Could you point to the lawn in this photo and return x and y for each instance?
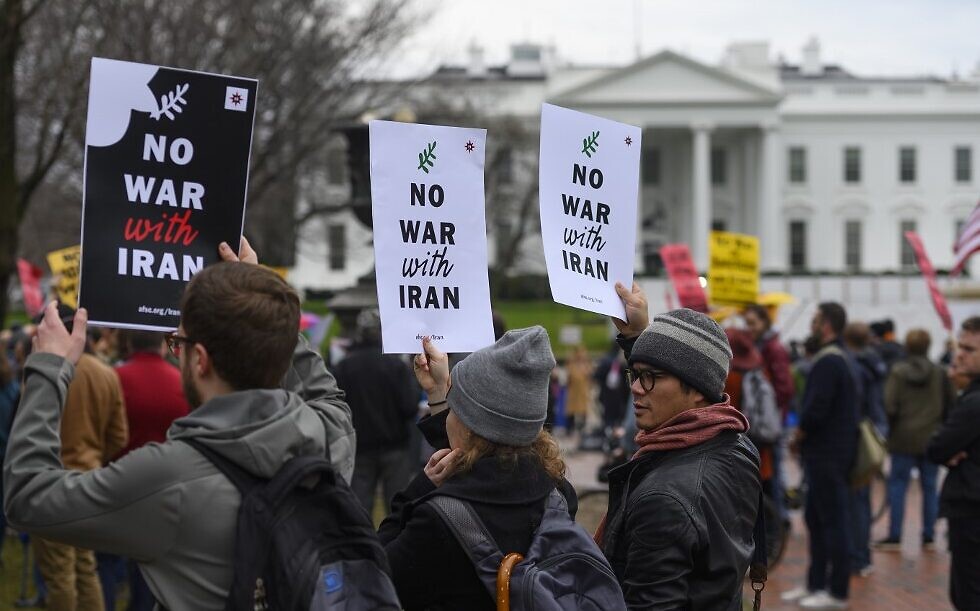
(597, 332)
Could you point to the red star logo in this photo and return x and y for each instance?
(470, 146)
(628, 141)
(236, 98)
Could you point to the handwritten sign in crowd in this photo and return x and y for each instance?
(430, 240)
(64, 265)
(166, 170)
(684, 276)
(733, 268)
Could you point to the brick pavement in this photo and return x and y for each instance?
(909, 580)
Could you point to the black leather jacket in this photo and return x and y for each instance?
(680, 523)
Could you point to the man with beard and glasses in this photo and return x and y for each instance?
(258, 398)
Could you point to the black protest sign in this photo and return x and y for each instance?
(166, 174)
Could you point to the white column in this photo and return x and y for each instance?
(772, 239)
(701, 194)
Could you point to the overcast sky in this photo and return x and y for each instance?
(867, 37)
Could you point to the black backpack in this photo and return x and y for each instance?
(564, 570)
(300, 547)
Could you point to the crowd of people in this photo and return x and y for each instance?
(114, 443)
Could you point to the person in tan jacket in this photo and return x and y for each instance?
(93, 431)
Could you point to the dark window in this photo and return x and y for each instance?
(719, 225)
(718, 169)
(651, 166)
(797, 164)
(906, 164)
(852, 164)
(797, 245)
(852, 245)
(337, 247)
(908, 255)
(964, 164)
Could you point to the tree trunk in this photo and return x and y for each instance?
(10, 212)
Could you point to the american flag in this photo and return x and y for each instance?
(968, 241)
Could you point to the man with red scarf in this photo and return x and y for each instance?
(679, 528)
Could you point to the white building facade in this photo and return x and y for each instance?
(827, 168)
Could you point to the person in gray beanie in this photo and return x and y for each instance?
(501, 392)
(492, 452)
(678, 532)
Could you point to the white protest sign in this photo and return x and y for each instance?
(589, 181)
(430, 236)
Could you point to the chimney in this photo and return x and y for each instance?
(811, 59)
(476, 68)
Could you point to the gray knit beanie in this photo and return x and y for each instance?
(501, 392)
(689, 345)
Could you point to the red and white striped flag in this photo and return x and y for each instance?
(929, 273)
(968, 241)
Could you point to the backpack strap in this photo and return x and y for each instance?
(759, 568)
(472, 535)
(277, 489)
(295, 471)
(242, 479)
(556, 504)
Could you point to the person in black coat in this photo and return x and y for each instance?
(383, 399)
(492, 452)
(827, 439)
(957, 445)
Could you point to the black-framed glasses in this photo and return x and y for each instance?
(647, 377)
(174, 341)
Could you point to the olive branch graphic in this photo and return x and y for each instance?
(170, 103)
(590, 144)
(426, 157)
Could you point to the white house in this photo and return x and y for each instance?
(828, 168)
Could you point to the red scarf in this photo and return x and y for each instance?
(688, 428)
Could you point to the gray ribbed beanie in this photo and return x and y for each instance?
(501, 392)
(689, 345)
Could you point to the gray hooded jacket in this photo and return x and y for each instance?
(165, 505)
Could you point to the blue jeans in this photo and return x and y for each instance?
(898, 483)
(861, 528)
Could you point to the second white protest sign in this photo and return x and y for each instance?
(589, 183)
(430, 241)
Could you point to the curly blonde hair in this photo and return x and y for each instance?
(544, 448)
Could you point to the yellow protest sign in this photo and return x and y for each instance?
(733, 271)
(64, 265)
